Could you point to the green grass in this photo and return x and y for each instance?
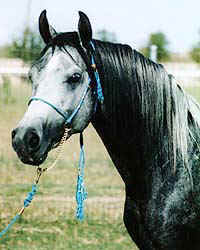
(63, 232)
(49, 222)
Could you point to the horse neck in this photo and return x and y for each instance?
(116, 121)
(121, 115)
(140, 102)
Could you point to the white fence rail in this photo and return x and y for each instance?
(187, 74)
(14, 69)
(17, 71)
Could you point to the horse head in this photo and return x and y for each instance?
(61, 91)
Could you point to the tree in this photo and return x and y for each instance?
(195, 52)
(105, 35)
(159, 39)
(27, 47)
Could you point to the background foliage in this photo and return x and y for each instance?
(160, 40)
(26, 47)
(29, 44)
(105, 35)
(195, 51)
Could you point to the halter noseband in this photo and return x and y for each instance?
(98, 92)
(67, 119)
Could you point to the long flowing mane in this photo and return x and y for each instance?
(144, 97)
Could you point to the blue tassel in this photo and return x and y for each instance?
(81, 193)
(92, 44)
(99, 87)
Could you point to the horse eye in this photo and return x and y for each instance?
(74, 78)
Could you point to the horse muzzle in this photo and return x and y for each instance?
(30, 144)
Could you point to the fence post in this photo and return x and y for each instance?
(153, 52)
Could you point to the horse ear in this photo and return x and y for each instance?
(46, 31)
(85, 29)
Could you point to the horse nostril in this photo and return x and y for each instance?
(33, 141)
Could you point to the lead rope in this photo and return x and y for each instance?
(39, 172)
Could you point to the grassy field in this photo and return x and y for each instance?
(49, 222)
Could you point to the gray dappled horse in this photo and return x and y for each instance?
(149, 126)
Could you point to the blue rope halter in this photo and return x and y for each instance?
(68, 119)
(81, 193)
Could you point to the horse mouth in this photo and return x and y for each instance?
(39, 157)
(34, 161)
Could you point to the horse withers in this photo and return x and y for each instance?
(148, 124)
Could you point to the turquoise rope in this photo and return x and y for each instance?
(81, 193)
(100, 96)
(57, 109)
(30, 196)
(99, 88)
(69, 120)
(9, 225)
(27, 202)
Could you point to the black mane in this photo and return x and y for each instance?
(150, 100)
(140, 95)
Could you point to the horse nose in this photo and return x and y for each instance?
(32, 141)
(25, 140)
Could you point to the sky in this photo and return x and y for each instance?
(131, 20)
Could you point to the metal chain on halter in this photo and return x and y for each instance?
(39, 172)
(58, 154)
